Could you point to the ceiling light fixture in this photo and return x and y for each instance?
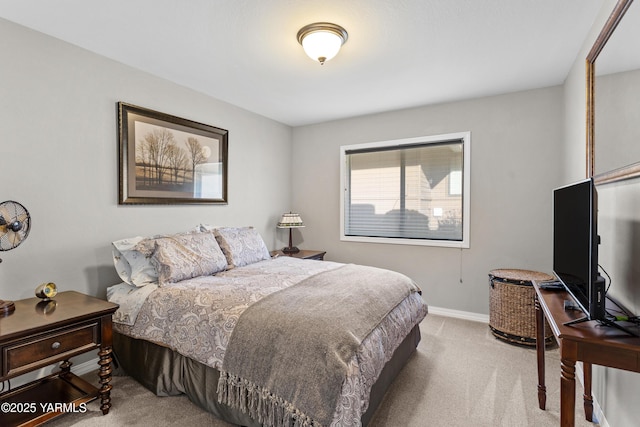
(322, 40)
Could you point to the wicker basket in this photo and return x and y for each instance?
(512, 312)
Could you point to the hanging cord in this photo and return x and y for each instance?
(608, 277)
(460, 266)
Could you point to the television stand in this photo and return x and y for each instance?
(588, 344)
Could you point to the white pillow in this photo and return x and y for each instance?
(132, 266)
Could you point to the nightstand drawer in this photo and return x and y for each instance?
(44, 349)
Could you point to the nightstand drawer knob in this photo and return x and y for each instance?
(55, 345)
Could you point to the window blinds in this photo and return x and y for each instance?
(411, 191)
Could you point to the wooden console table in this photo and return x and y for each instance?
(587, 342)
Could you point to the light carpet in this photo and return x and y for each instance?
(461, 375)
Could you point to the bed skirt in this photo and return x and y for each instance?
(168, 373)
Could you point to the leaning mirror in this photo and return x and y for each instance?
(613, 97)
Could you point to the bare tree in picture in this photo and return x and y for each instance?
(177, 161)
(194, 150)
(159, 142)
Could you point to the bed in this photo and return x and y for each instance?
(256, 340)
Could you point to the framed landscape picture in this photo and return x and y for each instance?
(170, 160)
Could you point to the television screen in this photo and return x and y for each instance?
(575, 245)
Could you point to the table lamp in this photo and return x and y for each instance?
(290, 221)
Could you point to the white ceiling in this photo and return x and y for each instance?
(400, 53)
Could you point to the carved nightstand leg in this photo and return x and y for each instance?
(105, 379)
(65, 368)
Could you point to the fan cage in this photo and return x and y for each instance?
(10, 213)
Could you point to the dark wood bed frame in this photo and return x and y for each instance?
(168, 373)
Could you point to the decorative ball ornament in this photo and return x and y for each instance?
(46, 291)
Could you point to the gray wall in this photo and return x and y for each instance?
(515, 140)
(619, 228)
(58, 144)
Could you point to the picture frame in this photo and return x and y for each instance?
(166, 159)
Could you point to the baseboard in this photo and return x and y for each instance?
(86, 367)
(466, 315)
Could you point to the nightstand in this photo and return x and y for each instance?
(304, 254)
(40, 333)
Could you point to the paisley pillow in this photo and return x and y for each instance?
(241, 245)
(185, 256)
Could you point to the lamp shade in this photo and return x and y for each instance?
(290, 220)
(322, 41)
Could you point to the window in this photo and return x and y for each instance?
(408, 191)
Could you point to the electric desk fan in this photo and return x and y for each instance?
(15, 223)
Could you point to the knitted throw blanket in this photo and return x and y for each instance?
(287, 357)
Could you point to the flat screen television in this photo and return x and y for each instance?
(575, 246)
